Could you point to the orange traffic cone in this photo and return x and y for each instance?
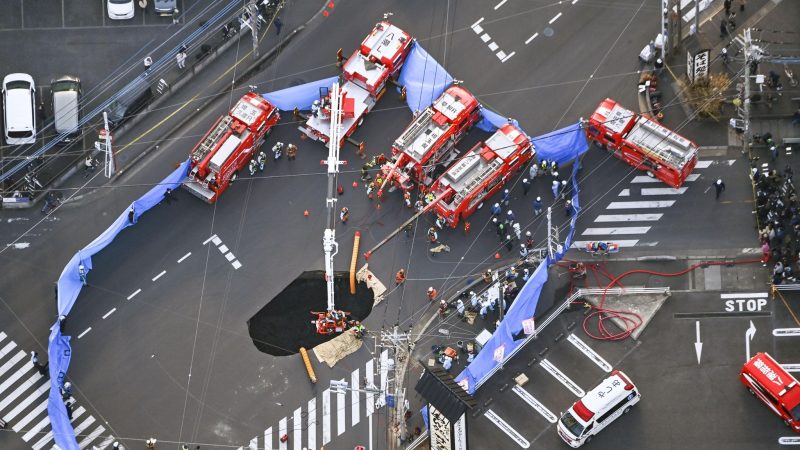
(497, 255)
(306, 213)
(355, 184)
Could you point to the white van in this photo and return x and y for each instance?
(612, 398)
(19, 101)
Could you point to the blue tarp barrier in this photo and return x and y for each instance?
(423, 78)
(69, 286)
(424, 412)
(561, 145)
(491, 121)
(300, 97)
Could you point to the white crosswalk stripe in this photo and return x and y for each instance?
(628, 217)
(91, 437)
(297, 428)
(27, 402)
(19, 390)
(645, 179)
(282, 429)
(624, 243)
(31, 415)
(615, 231)
(641, 204)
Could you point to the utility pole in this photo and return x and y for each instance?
(253, 23)
(552, 236)
(752, 54)
(665, 34)
(104, 145)
(392, 370)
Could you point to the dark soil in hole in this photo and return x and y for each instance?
(285, 324)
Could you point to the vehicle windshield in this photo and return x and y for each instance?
(18, 84)
(60, 86)
(120, 2)
(796, 413)
(20, 134)
(571, 424)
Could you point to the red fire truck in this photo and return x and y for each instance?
(480, 173)
(774, 386)
(430, 139)
(229, 145)
(642, 142)
(364, 81)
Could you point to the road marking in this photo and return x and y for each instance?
(745, 295)
(780, 332)
(554, 18)
(624, 193)
(341, 399)
(574, 1)
(493, 46)
(641, 205)
(485, 37)
(704, 164)
(223, 249)
(312, 423)
(531, 38)
(477, 23)
(646, 179)
(663, 191)
(229, 256)
(326, 416)
(615, 231)
(184, 257)
(110, 312)
(19, 390)
(628, 217)
(297, 426)
(591, 354)
(354, 382)
(268, 438)
(791, 367)
(84, 332)
(212, 239)
(477, 29)
(497, 6)
(92, 436)
(560, 376)
(160, 275)
(621, 243)
(134, 294)
(789, 440)
(369, 375)
(236, 265)
(500, 55)
(508, 56)
(27, 402)
(3, 335)
(31, 415)
(506, 428)
(10, 363)
(38, 427)
(109, 439)
(7, 349)
(535, 404)
(282, 428)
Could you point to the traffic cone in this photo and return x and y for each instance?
(497, 255)
(355, 184)
(306, 213)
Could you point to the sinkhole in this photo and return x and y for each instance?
(285, 323)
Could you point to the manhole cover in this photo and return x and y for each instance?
(548, 32)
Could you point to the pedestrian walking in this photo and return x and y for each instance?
(719, 186)
(66, 390)
(506, 197)
(440, 222)
(496, 210)
(723, 54)
(432, 293)
(460, 309)
(517, 230)
(261, 159)
(88, 166)
(180, 59)
(344, 215)
(556, 188)
(509, 243)
(433, 236)
(41, 368)
(82, 273)
(537, 206)
(526, 186)
(732, 20)
(727, 4)
(68, 405)
(400, 277)
(291, 152)
(723, 27)
(442, 309)
(510, 217)
(148, 62)
(278, 25)
(568, 208)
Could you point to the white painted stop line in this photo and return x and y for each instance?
(615, 231)
(789, 440)
(641, 205)
(535, 404)
(628, 217)
(786, 332)
(663, 191)
(560, 376)
(591, 354)
(506, 428)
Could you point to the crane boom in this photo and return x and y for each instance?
(329, 244)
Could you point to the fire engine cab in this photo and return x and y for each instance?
(430, 139)
(480, 173)
(229, 145)
(642, 142)
(364, 81)
(774, 386)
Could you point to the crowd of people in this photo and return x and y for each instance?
(778, 212)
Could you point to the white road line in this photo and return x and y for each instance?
(27, 402)
(615, 231)
(211, 239)
(341, 415)
(500, 55)
(253, 444)
(704, 164)
(14, 377)
(326, 416)
(84, 332)
(485, 37)
(497, 6)
(563, 378)
(109, 439)
(12, 362)
(646, 179)
(663, 191)
(2, 335)
(791, 367)
(268, 438)
(229, 257)
(591, 354)
(477, 29)
(789, 440)
(37, 428)
(92, 436)
(370, 378)
(506, 428)
(7, 349)
(134, 294)
(216, 240)
(621, 243)
(184, 257)
(30, 416)
(493, 46)
(624, 193)
(223, 248)
(110, 312)
(641, 205)
(19, 390)
(297, 427)
(531, 38)
(477, 23)
(554, 18)
(535, 404)
(84, 425)
(282, 428)
(236, 264)
(508, 56)
(355, 380)
(312, 423)
(744, 295)
(628, 217)
(574, 1)
(160, 275)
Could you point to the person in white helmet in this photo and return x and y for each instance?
(315, 108)
(66, 391)
(719, 186)
(526, 186)
(537, 206)
(277, 150)
(506, 197)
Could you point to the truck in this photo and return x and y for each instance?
(229, 145)
(430, 140)
(480, 173)
(642, 142)
(365, 79)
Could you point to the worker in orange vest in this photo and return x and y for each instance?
(432, 293)
(400, 277)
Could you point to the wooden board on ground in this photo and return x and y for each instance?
(378, 289)
(337, 348)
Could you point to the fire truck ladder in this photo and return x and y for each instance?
(208, 143)
(420, 124)
(477, 179)
(329, 244)
(661, 153)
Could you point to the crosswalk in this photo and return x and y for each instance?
(628, 219)
(23, 403)
(312, 427)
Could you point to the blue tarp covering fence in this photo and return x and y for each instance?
(69, 286)
(300, 97)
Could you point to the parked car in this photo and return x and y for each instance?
(120, 9)
(65, 94)
(130, 103)
(166, 7)
(19, 102)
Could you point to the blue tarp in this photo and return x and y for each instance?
(423, 78)
(491, 121)
(300, 97)
(69, 286)
(561, 145)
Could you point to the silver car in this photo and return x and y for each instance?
(65, 94)
(166, 7)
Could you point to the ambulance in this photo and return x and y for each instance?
(612, 398)
(774, 386)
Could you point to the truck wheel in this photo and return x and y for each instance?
(626, 410)
(588, 439)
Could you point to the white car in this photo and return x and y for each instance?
(19, 101)
(120, 9)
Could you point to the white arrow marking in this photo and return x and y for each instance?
(698, 346)
(748, 336)
(786, 332)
